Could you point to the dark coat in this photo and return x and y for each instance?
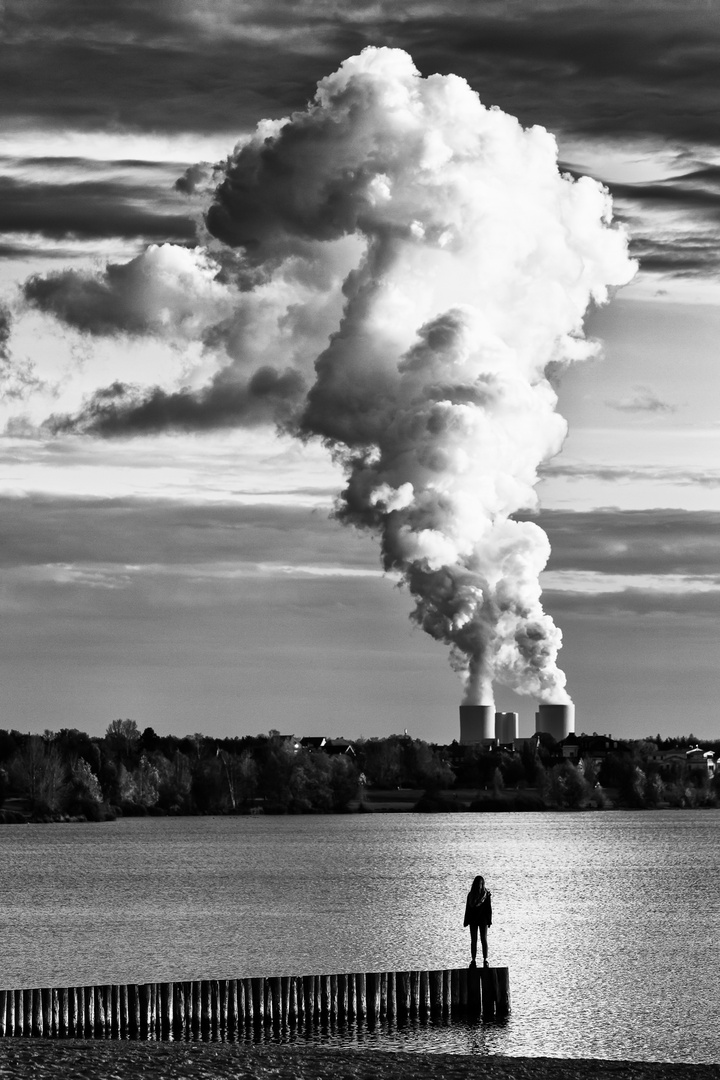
(478, 915)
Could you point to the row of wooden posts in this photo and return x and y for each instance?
(226, 1009)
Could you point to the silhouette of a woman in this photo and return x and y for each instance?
(478, 916)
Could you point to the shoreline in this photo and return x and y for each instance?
(76, 1059)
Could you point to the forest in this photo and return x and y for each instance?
(69, 775)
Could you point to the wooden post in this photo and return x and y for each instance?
(242, 1009)
(276, 998)
(35, 1011)
(123, 1020)
(138, 1012)
(204, 1009)
(249, 1003)
(234, 1011)
(53, 1012)
(424, 995)
(224, 1008)
(178, 1024)
(268, 1013)
(333, 999)
(99, 1011)
(454, 990)
(463, 988)
(502, 983)
(361, 995)
(435, 987)
(165, 1010)
(10, 1025)
(341, 997)
(3, 1012)
(383, 993)
(214, 1009)
(143, 1011)
(63, 1012)
(372, 985)
(154, 1011)
(258, 1003)
(404, 995)
(391, 995)
(307, 997)
(292, 1000)
(415, 994)
(90, 1012)
(351, 996)
(325, 995)
(107, 1002)
(188, 1013)
(78, 1006)
(474, 991)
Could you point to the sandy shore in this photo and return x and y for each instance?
(22, 1059)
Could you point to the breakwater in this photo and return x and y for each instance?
(225, 1009)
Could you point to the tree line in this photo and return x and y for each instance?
(128, 772)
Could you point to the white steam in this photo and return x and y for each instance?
(430, 251)
(480, 262)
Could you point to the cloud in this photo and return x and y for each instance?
(643, 399)
(709, 478)
(91, 208)
(17, 377)
(588, 65)
(268, 395)
(622, 542)
(136, 532)
(167, 290)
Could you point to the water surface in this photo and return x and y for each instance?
(609, 922)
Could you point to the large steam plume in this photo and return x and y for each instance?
(466, 263)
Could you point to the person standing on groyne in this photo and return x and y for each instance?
(478, 916)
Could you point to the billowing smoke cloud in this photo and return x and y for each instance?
(480, 260)
(445, 264)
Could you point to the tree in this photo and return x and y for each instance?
(40, 773)
(123, 738)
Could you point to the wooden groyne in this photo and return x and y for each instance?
(227, 1009)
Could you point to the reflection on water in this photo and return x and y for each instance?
(440, 1036)
(608, 922)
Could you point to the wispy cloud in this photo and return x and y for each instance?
(708, 478)
(642, 399)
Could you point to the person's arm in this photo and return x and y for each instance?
(467, 912)
(489, 910)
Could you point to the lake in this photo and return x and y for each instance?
(608, 922)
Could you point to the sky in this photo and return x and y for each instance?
(169, 550)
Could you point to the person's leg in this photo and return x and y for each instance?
(473, 940)
(483, 942)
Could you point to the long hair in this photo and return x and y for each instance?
(477, 887)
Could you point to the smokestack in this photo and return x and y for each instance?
(556, 720)
(477, 724)
(506, 727)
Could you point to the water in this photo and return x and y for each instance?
(609, 922)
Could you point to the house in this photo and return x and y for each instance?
(699, 762)
(313, 743)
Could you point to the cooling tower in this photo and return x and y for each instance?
(477, 724)
(555, 720)
(506, 727)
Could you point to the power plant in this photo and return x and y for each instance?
(555, 720)
(481, 724)
(477, 724)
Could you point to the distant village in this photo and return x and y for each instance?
(71, 776)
